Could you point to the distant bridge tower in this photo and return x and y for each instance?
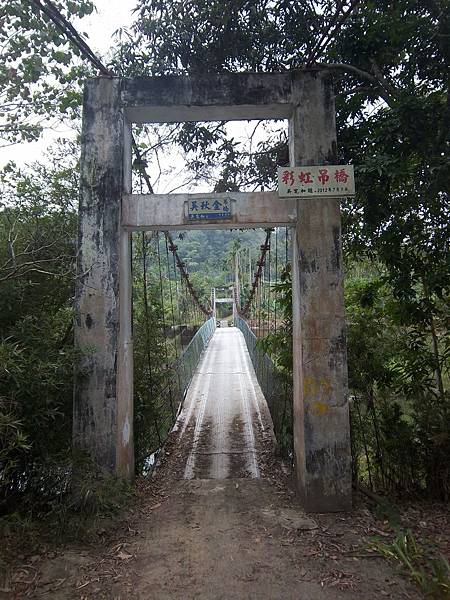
(227, 300)
(213, 302)
(237, 288)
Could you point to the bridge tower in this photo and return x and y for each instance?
(103, 396)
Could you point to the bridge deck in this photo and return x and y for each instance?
(225, 412)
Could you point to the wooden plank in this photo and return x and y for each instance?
(168, 211)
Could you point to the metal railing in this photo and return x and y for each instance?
(187, 362)
(168, 397)
(276, 387)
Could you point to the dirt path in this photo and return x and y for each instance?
(219, 539)
(219, 519)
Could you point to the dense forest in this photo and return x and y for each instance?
(390, 65)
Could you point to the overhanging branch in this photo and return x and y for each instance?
(380, 84)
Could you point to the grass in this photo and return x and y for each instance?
(429, 572)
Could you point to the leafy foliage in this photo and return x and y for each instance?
(36, 276)
(397, 371)
(431, 574)
(39, 76)
(152, 416)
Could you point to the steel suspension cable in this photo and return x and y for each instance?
(177, 290)
(259, 310)
(166, 354)
(174, 333)
(260, 264)
(52, 12)
(263, 305)
(185, 276)
(172, 247)
(146, 306)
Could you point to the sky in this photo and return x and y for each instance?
(100, 26)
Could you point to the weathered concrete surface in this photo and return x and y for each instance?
(102, 409)
(167, 211)
(124, 443)
(228, 96)
(103, 395)
(321, 420)
(225, 412)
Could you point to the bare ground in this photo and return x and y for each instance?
(218, 539)
(219, 519)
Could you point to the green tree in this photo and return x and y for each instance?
(40, 73)
(37, 275)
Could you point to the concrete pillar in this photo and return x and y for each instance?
(103, 394)
(321, 418)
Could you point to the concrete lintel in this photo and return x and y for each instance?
(167, 211)
(182, 113)
(228, 96)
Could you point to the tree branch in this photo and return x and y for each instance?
(387, 96)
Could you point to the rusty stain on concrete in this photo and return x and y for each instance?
(319, 409)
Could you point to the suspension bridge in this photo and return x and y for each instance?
(224, 404)
(216, 383)
(110, 212)
(215, 387)
(104, 399)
